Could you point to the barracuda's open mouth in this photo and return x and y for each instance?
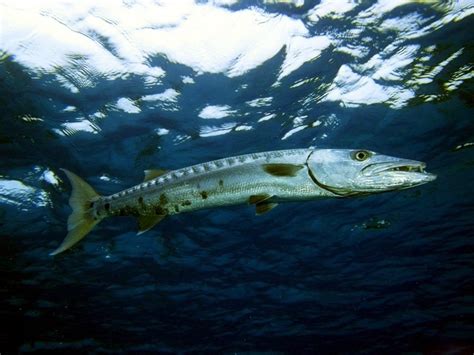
(408, 168)
(401, 174)
(411, 167)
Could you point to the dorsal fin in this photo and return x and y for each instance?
(264, 207)
(153, 173)
(282, 169)
(146, 222)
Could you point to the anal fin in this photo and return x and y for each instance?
(146, 222)
(264, 207)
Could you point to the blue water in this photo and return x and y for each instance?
(108, 91)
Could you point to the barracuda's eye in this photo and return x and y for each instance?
(361, 155)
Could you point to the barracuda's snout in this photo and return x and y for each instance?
(350, 172)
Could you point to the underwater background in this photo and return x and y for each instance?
(109, 89)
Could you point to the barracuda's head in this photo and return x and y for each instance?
(348, 172)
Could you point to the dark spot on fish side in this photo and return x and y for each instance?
(176, 208)
(163, 199)
(282, 169)
(107, 206)
(186, 203)
(91, 205)
(127, 211)
(140, 200)
(160, 210)
(204, 195)
(221, 183)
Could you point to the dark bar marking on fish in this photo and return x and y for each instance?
(160, 210)
(163, 199)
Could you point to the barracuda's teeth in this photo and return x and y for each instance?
(408, 168)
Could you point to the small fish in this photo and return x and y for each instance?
(261, 179)
(464, 146)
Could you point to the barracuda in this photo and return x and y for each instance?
(260, 179)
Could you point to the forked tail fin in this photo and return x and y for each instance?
(81, 221)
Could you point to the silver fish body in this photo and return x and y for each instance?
(260, 179)
(223, 182)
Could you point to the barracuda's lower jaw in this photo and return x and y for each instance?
(401, 175)
(409, 178)
(415, 174)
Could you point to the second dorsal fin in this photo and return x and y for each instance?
(153, 173)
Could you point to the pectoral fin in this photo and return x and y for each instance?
(153, 173)
(254, 199)
(282, 169)
(147, 222)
